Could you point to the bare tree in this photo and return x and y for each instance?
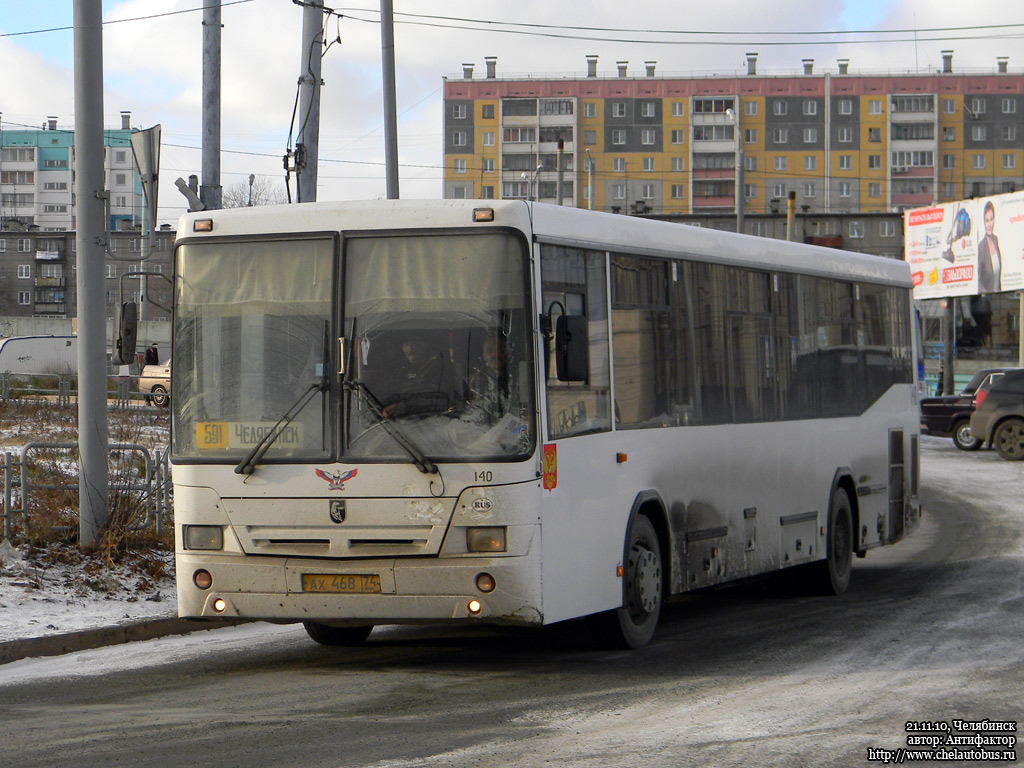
(264, 190)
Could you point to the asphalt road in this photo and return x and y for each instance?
(930, 630)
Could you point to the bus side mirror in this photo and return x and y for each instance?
(127, 333)
(571, 348)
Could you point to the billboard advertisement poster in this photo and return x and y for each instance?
(966, 248)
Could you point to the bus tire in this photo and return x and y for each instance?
(633, 624)
(325, 634)
(1009, 440)
(832, 575)
(963, 438)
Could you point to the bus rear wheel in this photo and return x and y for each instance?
(832, 575)
(325, 634)
(633, 624)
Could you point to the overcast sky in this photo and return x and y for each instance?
(153, 65)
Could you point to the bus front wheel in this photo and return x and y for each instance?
(325, 634)
(633, 624)
(832, 575)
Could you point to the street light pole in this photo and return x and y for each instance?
(590, 181)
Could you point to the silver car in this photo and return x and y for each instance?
(155, 384)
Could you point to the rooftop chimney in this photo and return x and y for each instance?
(126, 120)
(492, 63)
(650, 67)
(752, 63)
(591, 65)
(947, 62)
(844, 66)
(467, 71)
(1003, 63)
(808, 66)
(622, 67)
(51, 123)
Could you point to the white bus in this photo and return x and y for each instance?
(497, 411)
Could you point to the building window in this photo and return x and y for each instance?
(618, 191)
(845, 134)
(977, 188)
(647, 191)
(1009, 161)
(678, 192)
(590, 137)
(678, 137)
(750, 162)
(487, 111)
(458, 138)
(678, 109)
(779, 190)
(556, 106)
(874, 189)
(844, 189)
(780, 135)
(1009, 106)
(750, 136)
(856, 229)
(780, 163)
(486, 193)
(886, 228)
(648, 109)
(458, 192)
(874, 106)
(810, 189)
(810, 107)
(459, 111)
(874, 134)
(845, 106)
(517, 135)
(647, 136)
(110, 270)
(749, 191)
(24, 245)
(948, 133)
(977, 161)
(487, 138)
(647, 164)
(977, 105)
(677, 164)
(949, 190)
(949, 162)
(845, 162)
(810, 163)
(780, 107)
(619, 164)
(713, 133)
(749, 107)
(618, 136)
(712, 106)
(488, 165)
(874, 161)
(458, 165)
(589, 109)
(618, 109)
(120, 201)
(977, 133)
(24, 271)
(810, 135)
(1008, 133)
(24, 298)
(948, 107)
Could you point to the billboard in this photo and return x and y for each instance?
(966, 248)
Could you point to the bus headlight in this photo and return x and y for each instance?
(490, 539)
(203, 536)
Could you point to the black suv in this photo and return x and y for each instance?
(950, 415)
(998, 418)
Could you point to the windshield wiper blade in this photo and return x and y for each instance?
(248, 465)
(425, 465)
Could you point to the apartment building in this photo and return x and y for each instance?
(37, 177)
(638, 142)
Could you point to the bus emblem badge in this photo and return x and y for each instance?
(336, 480)
(337, 511)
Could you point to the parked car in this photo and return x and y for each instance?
(155, 384)
(950, 415)
(998, 418)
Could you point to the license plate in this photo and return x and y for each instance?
(361, 583)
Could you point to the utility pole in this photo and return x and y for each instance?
(387, 52)
(558, 167)
(211, 193)
(307, 147)
(90, 243)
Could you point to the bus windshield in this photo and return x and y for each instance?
(437, 330)
(435, 350)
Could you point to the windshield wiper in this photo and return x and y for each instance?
(248, 465)
(425, 465)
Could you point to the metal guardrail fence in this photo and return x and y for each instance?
(62, 388)
(152, 487)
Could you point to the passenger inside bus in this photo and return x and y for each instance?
(487, 386)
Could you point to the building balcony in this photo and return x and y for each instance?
(50, 308)
(50, 282)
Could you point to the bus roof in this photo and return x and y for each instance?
(560, 225)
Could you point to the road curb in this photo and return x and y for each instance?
(83, 640)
